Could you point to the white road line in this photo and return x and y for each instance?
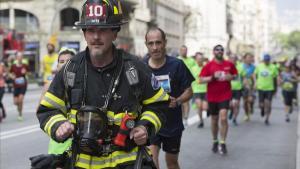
(19, 132)
(35, 128)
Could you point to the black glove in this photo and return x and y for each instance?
(46, 161)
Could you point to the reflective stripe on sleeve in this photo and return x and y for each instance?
(52, 121)
(72, 116)
(161, 95)
(152, 117)
(52, 101)
(110, 161)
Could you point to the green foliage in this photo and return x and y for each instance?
(294, 40)
(290, 43)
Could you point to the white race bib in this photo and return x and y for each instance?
(164, 81)
(20, 80)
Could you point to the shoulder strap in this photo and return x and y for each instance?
(69, 75)
(132, 74)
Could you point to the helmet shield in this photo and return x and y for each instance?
(102, 14)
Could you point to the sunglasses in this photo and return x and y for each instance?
(219, 49)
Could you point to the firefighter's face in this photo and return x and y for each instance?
(156, 44)
(99, 40)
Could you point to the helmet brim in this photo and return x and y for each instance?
(99, 25)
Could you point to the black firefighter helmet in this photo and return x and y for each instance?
(101, 14)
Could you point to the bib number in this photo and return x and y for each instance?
(20, 80)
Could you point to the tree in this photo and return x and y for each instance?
(289, 44)
(294, 40)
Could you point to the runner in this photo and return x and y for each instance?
(47, 63)
(189, 62)
(248, 86)
(171, 74)
(2, 90)
(64, 55)
(287, 79)
(265, 74)
(18, 73)
(236, 87)
(218, 73)
(199, 89)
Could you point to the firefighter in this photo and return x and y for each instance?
(104, 98)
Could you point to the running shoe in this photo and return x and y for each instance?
(222, 149)
(267, 122)
(20, 118)
(201, 125)
(262, 112)
(215, 147)
(230, 115)
(234, 122)
(246, 117)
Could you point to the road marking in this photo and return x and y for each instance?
(35, 128)
(19, 132)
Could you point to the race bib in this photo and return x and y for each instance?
(287, 86)
(265, 73)
(220, 75)
(164, 82)
(20, 80)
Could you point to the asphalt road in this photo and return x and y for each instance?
(251, 145)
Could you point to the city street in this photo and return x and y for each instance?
(251, 145)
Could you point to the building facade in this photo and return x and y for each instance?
(41, 22)
(205, 26)
(169, 16)
(251, 26)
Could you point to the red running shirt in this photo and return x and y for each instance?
(218, 90)
(20, 75)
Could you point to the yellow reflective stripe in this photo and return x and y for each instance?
(161, 95)
(55, 99)
(112, 160)
(46, 104)
(106, 2)
(53, 120)
(116, 11)
(72, 116)
(118, 117)
(52, 101)
(152, 117)
(110, 116)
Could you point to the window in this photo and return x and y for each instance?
(25, 21)
(68, 17)
(4, 18)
